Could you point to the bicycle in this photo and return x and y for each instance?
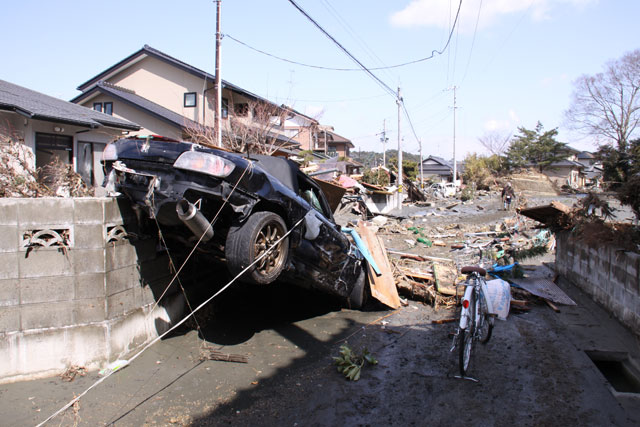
(476, 317)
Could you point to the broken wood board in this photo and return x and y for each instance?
(383, 287)
(547, 214)
(544, 288)
(332, 191)
(447, 276)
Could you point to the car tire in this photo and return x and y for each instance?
(358, 297)
(247, 242)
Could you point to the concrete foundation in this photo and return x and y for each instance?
(73, 291)
(608, 274)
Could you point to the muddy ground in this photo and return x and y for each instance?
(534, 371)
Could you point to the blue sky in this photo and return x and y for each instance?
(513, 61)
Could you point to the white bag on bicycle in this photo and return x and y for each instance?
(499, 295)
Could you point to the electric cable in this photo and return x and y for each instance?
(473, 42)
(155, 340)
(349, 54)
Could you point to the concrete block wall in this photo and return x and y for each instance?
(610, 275)
(82, 303)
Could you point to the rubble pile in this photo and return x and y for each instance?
(19, 179)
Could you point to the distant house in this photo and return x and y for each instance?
(439, 170)
(585, 158)
(169, 97)
(327, 141)
(50, 127)
(566, 172)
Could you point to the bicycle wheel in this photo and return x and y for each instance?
(485, 323)
(466, 338)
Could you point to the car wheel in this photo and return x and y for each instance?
(358, 297)
(252, 239)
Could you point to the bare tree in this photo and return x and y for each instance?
(495, 141)
(606, 105)
(251, 127)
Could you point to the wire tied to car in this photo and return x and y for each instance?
(155, 340)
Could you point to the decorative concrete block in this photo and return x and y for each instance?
(144, 296)
(9, 265)
(118, 211)
(89, 210)
(121, 303)
(9, 238)
(44, 262)
(47, 289)
(118, 280)
(90, 286)
(48, 211)
(86, 261)
(47, 315)
(9, 292)
(9, 320)
(88, 236)
(129, 333)
(9, 211)
(89, 311)
(119, 256)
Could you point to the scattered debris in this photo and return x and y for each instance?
(350, 363)
(73, 371)
(383, 287)
(208, 354)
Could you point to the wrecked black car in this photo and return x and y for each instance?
(250, 201)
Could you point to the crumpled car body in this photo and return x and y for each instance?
(250, 202)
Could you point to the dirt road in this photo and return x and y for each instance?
(534, 371)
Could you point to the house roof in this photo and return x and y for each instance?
(438, 160)
(566, 162)
(39, 106)
(148, 51)
(129, 97)
(335, 138)
(585, 155)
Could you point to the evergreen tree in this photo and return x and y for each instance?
(536, 146)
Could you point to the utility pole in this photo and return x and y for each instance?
(455, 163)
(399, 102)
(217, 84)
(420, 165)
(384, 140)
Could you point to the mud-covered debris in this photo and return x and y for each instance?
(72, 372)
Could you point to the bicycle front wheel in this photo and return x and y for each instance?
(466, 340)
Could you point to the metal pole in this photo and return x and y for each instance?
(420, 165)
(455, 165)
(217, 85)
(399, 180)
(384, 143)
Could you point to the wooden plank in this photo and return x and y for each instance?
(383, 287)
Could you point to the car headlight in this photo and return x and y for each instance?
(110, 153)
(205, 163)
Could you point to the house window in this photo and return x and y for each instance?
(108, 108)
(241, 109)
(225, 108)
(52, 147)
(97, 106)
(190, 99)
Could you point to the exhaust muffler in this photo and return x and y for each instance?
(194, 219)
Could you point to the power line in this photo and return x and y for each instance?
(473, 42)
(337, 43)
(320, 67)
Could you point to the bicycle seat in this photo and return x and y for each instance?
(473, 269)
